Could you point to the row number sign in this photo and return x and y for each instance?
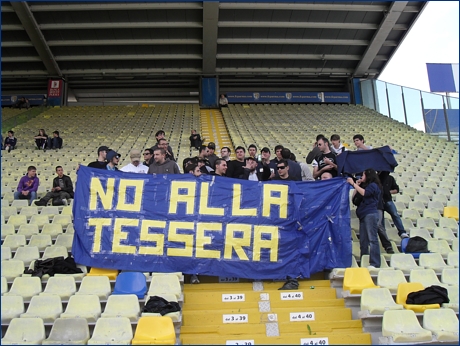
(314, 341)
(239, 297)
(239, 342)
(235, 318)
(302, 316)
(292, 296)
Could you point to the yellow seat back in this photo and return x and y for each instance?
(154, 330)
(111, 273)
(403, 291)
(357, 279)
(451, 212)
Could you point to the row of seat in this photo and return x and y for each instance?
(27, 254)
(403, 327)
(440, 246)
(38, 219)
(65, 285)
(402, 266)
(113, 330)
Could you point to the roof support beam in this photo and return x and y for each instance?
(131, 57)
(210, 22)
(290, 56)
(116, 6)
(302, 25)
(301, 7)
(120, 25)
(294, 41)
(388, 23)
(134, 42)
(38, 40)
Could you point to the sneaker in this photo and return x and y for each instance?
(290, 284)
(40, 203)
(371, 267)
(389, 250)
(9, 149)
(404, 235)
(194, 279)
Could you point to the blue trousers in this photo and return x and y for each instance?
(368, 239)
(390, 208)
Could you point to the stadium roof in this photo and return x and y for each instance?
(136, 49)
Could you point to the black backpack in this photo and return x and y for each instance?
(430, 295)
(417, 244)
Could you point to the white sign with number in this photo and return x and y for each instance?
(292, 296)
(238, 297)
(235, 318)
(301, 316)
(228, 279)
(239, 342)
(314, 341)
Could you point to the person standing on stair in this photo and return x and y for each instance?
(368, 189)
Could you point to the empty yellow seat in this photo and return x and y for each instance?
(154, 330)
(401, 296)
(357, 279)
(110, 273)
(451, 212)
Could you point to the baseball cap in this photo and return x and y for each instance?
(135, 155)
(212, 145)
(111, 154)
(265, 150)
(103, 148)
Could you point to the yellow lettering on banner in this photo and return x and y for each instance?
(105, 196)
(260, 243)
(138, 190)
(188, 199)
(202, 240)
(98, 224)
(119, 235)
(204, 209)
(187, 239)
(236, 204)
(158, 238)
(232, 243)
(269, 200)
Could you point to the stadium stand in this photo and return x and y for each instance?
(116, 67)
(239, 121)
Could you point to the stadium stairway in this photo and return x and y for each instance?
(248, 313)
(213, 129)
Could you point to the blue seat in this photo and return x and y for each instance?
(131, 283)
(403, 248)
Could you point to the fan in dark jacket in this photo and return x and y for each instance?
(252, 173)
(61, 191)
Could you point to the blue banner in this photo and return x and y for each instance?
(34, 100)
(287, 97)
(210, 225)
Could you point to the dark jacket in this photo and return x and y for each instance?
(263, 173)
(68, 186)
(11, 141)
(388, 184)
